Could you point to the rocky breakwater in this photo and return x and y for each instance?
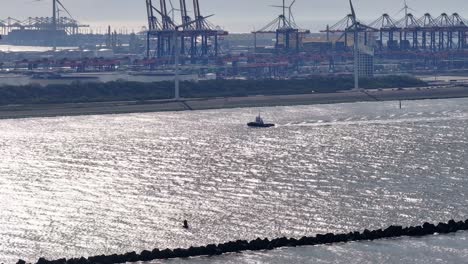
(265, 244)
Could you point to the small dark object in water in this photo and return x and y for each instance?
(253, 124)
(259, 123)
(186, 226)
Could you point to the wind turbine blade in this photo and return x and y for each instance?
(293, 2)
(64, 8)
(352, 11)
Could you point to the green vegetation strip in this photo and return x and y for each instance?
(137, 91)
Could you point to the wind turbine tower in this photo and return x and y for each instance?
(362, 53)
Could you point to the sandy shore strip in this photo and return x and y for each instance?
(51, 110)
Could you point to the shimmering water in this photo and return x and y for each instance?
(79, 186)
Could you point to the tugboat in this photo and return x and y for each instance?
(259, 123)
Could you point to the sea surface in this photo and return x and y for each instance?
(104, 184)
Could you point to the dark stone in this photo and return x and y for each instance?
(320, 239)
(452, 226)
(131, 257)
(212, 250)
(465, 225)
(146, 255)
(195, 251)
(72, 261)
(354, 236)
(114, 258)
(42, 261)
(21, 262)
(393, 231)
(378, 234)
(418, 231)
(156, 254)
(166, 254)
(340, 238)
(180, 253)
(229, 247)
(293, 242)
(258, 244)
(102, 259)
(280, 242)
(302, 241)
(366, 235)
(442, 228)
(330, 238)
(429, 229)
(82, 260)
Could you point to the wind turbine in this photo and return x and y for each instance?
(356, 27)
(173, 10)
(291, 19)
(57, 6)
(406, 8)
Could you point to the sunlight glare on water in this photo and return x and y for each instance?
(80, 186)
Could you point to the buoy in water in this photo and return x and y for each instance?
(186, 226)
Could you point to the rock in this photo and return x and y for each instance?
(99, 259)
(429, 229)
(195, 252)
(292, 242)
(156, 254)
(180, 253)
(280, 242)
(465, 225)
(393, 231)
(442, 228)
(146, 255)
(42, 261)
(452, 226)
(264, 244)
(330, 238)
(21, 262)
(82, 260)
(366, 235)
(258, 244)
(166, 254)
(131, 257)
(229, 247)
(211, 250)
(340, 238)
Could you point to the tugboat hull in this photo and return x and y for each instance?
(253, 124)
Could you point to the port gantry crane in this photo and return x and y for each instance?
(288, 36)
(198, 40)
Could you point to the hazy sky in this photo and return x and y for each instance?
(233, 15)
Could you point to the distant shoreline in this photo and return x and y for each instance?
(127, 107)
